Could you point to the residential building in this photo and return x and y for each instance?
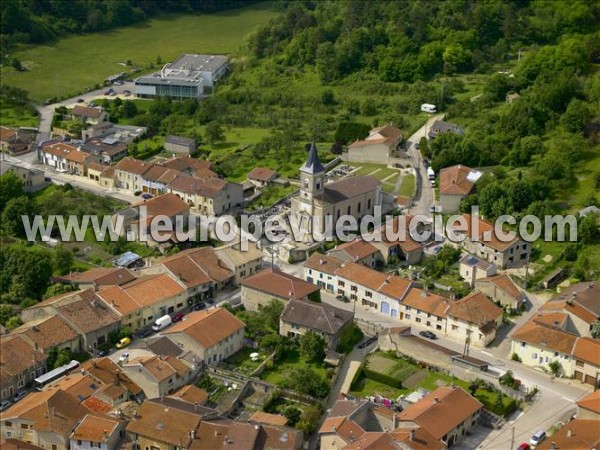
(97, 277)
(543, 339)
(45, 418)
(142, 301)
(128, 174)
(20, 364)
(474, 317)
(65, 158)
(189, 76)
(178, 144)
(369, 288)
(208, 196)
(360, 424)
(377, 147)
(581, 302)
(16, 141)
(87, 114)
(502, 289)
(187, 164)
(301, 316)
(578, 434)
(107, 177)
(358, 251)
(117, 387)
(93, 431)
(200, 270)
(448, 413)
(425, 310)
(243, 263)
(159, 375)
(157, 178)
(440, 127)
(481, 239)
(268, 284)
(137, 218)
(262, 176)
(83, 311)
(49, 333)
(214, 334)
(108, 149)
(472, 268)
(588, 407)
(355, 196)
(191, 394)
(32, 179)
(456, 183)
(394, 241)
(14, 444)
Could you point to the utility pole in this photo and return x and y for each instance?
(512, 437)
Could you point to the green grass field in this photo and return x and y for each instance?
(393, 367)
(407, 185)
(289, 361)
(10, 117)
(75, 63)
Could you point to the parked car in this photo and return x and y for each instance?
(210, 301)
(80, 100)
(432, 209)
(146, 196)
(124, 342)
(342, 298)
(537, 438)
(199, 306)
(145, 333)
(126, 93)
(102, 353)
(524, 446)
(177, 317)
(428, 334)
(18, 396)
(4, 404)
(417, 145)
(124, 356)
(162, 322)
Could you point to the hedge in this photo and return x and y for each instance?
(506, 408)
(382, 378)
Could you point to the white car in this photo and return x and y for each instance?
(537, 438)
(124, 356)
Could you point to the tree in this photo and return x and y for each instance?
(271, 314)
(576, 117)
(292, 415)
(11, 187)
(64, 356)
(13, 323)
(587, 229)
(63, 259)
(6, 312)
(57, 289)
(595, 330)
(312, 346)
(555, 367)
(16, 63)
(129, 109)
(12, 222)
(214, 133)
(309, 420)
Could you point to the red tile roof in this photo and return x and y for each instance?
(65, 151)
(196, 267)
(208, 327)
(506, 284)
(590, 402)
(86, 111)
(475, 308)
(279, 284)
(454, 181)
(262, 174)
(485, 233)
(168, 205)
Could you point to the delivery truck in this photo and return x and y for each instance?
(162, 323)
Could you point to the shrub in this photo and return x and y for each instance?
(515, 357)
(382, 378)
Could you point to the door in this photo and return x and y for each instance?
(578, 376)
(394, 312)
(590, 380)
(385, 307)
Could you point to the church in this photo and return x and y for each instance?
(355, 196)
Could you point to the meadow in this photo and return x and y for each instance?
(76, 63)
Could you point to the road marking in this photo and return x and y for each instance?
(568, 399)
(486, 353)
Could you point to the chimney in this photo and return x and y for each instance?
(436, 400)
(412, 434)
(569, 433)
(192, 435)
(553, 445)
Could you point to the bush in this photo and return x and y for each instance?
(349, 337)
(515, 357)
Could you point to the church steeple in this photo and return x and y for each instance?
(313, 164)
(312, 176)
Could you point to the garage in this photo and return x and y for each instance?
(578, 376)
(590, 380)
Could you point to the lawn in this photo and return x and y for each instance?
(407, 185)
(291, 360)
(75, 63)
(270, 195)
(11, 117)
(241, 362)
(394, 367)
(379, 171)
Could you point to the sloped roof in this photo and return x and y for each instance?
(279, 284)
(134, 166)
(427, 302)
(356, 249)
(192, 394)
(108, 372)
(313, 164)
(390, 285)
(168, 205)
(65, 151)
(262, 174)
(543, 336)
(386, 135)
(323, 263)
(587, 349)
(577, 434)
(208, 327)
(17, 356)
(209, 188)
(48, 333)
(348, 188)
(475, 308)
(94, 428)
(486, 233)
(86, 111)
(452, 407)
(454, 180)
(590, 402)
(197, 266)
(317, 316)
(506, 284)
(100, 276)
(580, 299)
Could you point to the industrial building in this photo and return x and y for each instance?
(190, 76)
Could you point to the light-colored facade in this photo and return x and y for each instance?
(243, 263)
(159, 375)
(472, 269)
(32, 179)
(95, 432)
(377, 147)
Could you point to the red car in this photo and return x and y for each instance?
(524, 446)
(177, 317)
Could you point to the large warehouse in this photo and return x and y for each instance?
(190, 76)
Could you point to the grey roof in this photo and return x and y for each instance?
(318, 316)
(471, 260)
(349, 188)
(6, 166)
(312, 164)
(163, 346)
(439, 126)
(205, 63)
(178, 140)
(589, 210)
(126, 259)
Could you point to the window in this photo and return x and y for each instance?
(349, 209)
(368, 294)
(407, 316)
(534, 355)
(79, 442)
(8, 434)
(418, 319)
(454, 327)
(359, 207)
(438, 327)
(8, 424)
(369, 204)
(24, 426)
(579, 363)
(408, 308)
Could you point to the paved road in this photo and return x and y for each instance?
(424, 197)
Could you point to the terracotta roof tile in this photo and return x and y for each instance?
(208, 188)
(269, 419)
(485, 234)
(94, 428)
(17, 356)
(317, 316)
(277, 283)
(95, 404)
(506, 284)
(110, 373)
(65, 151)
(587, 349)
(195, 267)
(168, 205)
(390, 285)
(133, 166)
(357, 249)
(577, 434)
(546, 337)
(48, 333)
(192, 394)
(348, 188)
(185, 163)
(427, 302)
(323, 263)
(454, 181)
(208, 327)
(590, 402)
(100, 276)
(453, 406)
(86, 111)
(475, 308)
(262, 174)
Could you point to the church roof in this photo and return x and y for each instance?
(312, 164)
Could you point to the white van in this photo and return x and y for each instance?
(428, 108)
(162, 323)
